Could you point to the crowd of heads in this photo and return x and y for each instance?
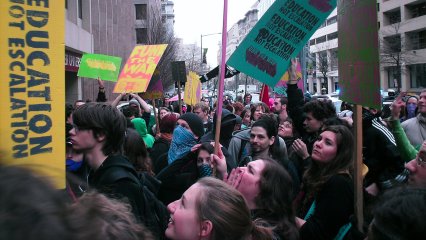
(260, 199)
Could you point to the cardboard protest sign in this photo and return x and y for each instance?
(99, 66)
(359, 76)
(281, 87)
(192, 93)
(154, 91)
(139, 68)
(277, 37)
(32, 92)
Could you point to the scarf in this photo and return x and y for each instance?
(411, 110)
(182, 142)
(167, 136)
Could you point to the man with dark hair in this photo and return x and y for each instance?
(308, 118)
(280, 104)
(99, 132)
(247, 99)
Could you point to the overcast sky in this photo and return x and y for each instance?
(196, 17)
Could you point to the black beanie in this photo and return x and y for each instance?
(194, 122)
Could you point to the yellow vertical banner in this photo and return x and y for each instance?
(32, 122)
(192, 94)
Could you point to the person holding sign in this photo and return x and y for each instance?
(137, 103)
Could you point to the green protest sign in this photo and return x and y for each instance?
(278, 36)
(99, 66)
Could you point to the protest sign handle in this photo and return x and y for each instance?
(157, 122)
(179, 100)
(357, 156)
(222, 77)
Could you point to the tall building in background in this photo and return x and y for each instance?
(322, 66)
(148, 13)
(402, 29)
(235, 36)
(263, 6)
(104, 27)
(168, 14)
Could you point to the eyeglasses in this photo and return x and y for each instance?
(420, 162)
(78, 129)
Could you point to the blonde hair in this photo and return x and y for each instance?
(234, 220)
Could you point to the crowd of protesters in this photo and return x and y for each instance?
(282, 171)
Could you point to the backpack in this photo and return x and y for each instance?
(154, 213)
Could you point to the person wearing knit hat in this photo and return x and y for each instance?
(188, 131)
(194, 122)
(162, 142)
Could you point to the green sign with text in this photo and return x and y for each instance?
(99, 66)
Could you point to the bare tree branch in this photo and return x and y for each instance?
(160, 34)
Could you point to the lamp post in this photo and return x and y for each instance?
(201, 59)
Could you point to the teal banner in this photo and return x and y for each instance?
(278, 36)
(99, 66)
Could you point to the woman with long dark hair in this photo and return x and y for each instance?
(327, 198)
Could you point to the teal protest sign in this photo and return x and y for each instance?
(278, 36)
(99, 66)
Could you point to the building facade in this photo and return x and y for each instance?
(402, 30)
(109, 27)
(322, 63)
(104, 27)
(168, 15)
(235, 36)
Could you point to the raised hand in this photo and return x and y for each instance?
(235, 177)
(300, 148)
(396, 107)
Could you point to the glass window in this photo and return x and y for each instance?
(80, 9)
(141, 35)
(393, 16)
(141, 13)
(321, 39)
(417, 40)
(392, 44)
(417, 75)
(332, 36)
(312, 42)
(332, 20)
(417, 10)
(334, 60)
(393, 76)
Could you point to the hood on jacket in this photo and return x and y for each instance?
(242, 134)
(140, 126)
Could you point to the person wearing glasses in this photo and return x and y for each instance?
(414, 157)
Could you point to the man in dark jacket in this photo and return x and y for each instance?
(380, 153)
(99, 132)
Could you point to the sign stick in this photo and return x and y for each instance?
(179, 100)
(357, 156)
(157, 123)
(222, 77)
